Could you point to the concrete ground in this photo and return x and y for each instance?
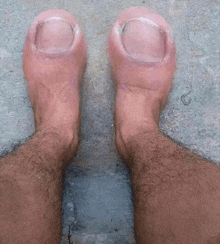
(97, 199)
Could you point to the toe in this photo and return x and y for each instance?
(54, 35)
(151, 26)
(143, 40)
(55, 31)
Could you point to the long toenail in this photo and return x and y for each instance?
(54, 35)
(143, 40)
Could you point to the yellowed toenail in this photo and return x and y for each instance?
(143, 40)
(54, 35)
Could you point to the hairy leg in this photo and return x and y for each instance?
(176, 193)
(54, 57)
(30, 190)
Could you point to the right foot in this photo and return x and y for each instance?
(53, 62)
(142, 56)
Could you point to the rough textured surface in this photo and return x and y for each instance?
(97, 200)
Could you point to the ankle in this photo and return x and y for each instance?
(65, 141)
(136, 117)
(128, 134)
(128, 144)
(137, 112)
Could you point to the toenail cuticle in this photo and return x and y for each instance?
(141, 19)
(59, 18)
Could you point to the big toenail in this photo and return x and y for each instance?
(54, 35)
(143, 40)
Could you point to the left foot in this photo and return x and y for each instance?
(142, 56)
(54, 58)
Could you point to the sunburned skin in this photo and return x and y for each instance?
(142, 85)
(54, 58)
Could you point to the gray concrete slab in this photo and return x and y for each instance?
(97, 200)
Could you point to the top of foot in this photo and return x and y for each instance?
(54, 58)
(141, 50)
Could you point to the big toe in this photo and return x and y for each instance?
(54, 35)
(142, 39)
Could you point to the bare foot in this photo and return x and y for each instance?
(142, 56)
(54, 58)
